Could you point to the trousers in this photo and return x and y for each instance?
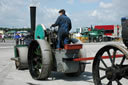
(63, 38)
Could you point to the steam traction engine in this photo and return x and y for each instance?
(40, 56)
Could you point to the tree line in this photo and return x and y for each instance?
(14, 29)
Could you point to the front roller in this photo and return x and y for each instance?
(112, 71)
(21, 52)
(40, 59)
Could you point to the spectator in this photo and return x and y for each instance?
(17, 37)
(3, 38)
(22, 39)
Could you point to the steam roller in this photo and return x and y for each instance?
(41, 57)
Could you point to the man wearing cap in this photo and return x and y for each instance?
(64, 26)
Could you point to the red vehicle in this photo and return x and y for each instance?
(109, 30)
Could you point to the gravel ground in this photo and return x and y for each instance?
(10, 76)
(7, 44)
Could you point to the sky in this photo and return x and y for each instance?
(83, 13)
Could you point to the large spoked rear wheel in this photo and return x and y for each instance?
(40, 59)
(111, 71)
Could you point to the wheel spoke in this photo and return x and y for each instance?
(103, 77)
(102, 68)
(104, 63)
(37, 71)
(109, 83)
(37, 52)
(37, 59)
(114, 55)
(36, 67)
(118, 82)
(109, 55)
(122, 61)
(38, 63)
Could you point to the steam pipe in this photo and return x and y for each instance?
(32, 20)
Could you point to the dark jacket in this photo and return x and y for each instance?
(64, 23)
(17, 37)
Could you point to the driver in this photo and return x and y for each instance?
(64, 26)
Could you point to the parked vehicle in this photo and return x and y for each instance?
(89, 34)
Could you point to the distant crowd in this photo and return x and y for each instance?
(19, 38)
